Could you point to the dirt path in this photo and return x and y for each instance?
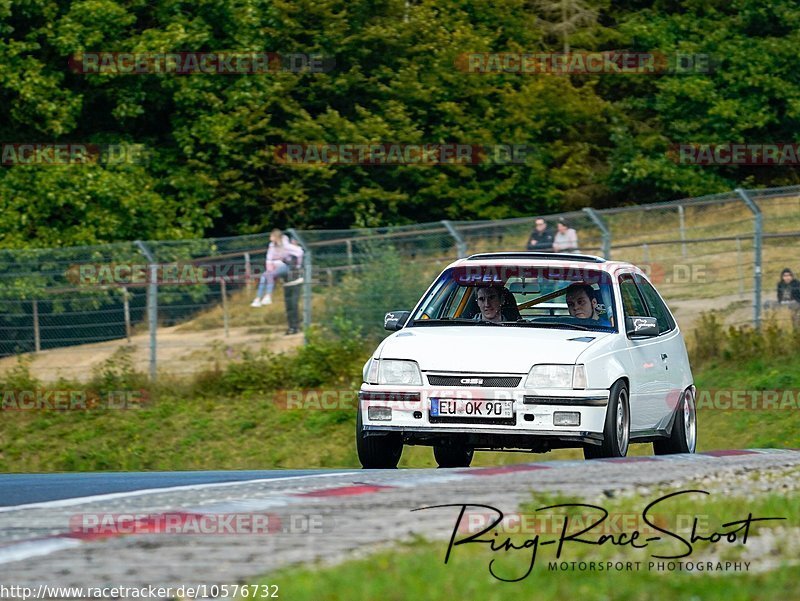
(180, 352)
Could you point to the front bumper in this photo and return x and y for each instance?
(532, 412)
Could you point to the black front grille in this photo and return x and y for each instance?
(477, 381)
(492, 421)
(595, 401)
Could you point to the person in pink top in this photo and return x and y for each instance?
(280, 254)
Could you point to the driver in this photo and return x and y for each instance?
(490, 304)
(582, 303)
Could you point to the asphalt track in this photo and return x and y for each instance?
(23, 489)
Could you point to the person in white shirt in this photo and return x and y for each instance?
(566, 239)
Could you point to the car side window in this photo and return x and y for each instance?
(632, 302)
(655, 305)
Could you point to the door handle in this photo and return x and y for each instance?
(664, 356)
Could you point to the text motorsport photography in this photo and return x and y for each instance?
(669, 548)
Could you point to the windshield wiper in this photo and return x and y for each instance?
(551, 324)
(441, 320)
(461, 321)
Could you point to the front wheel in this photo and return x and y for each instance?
(683, 438)
(453, 456)
(377, 452)
(617, 428)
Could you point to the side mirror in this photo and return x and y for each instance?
(641, 327)
(395, 320)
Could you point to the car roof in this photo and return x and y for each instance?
(540, 259)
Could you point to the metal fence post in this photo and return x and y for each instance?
(152, 306)
(126, 308)
(682, 220)
(757, 232)
(224, 293)
(461, 246)
(37, 341)
(603, 229)
(247, 272)
(349, 246)
(307, 271)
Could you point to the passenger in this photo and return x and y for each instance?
(581, 303)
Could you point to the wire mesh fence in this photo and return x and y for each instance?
(180, 306)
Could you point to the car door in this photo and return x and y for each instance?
(671, 350)
(648, 385)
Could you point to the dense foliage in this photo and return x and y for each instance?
(598, 140)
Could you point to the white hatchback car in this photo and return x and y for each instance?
(529, 351)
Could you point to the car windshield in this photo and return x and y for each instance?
(572, 297)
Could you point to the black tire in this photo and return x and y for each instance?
(453, 456)
(617, 428)
(377, 452)
(683, 438)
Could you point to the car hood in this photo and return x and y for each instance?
(483, 349)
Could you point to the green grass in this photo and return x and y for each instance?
(183, 429)
(743, 428)
(416, 570)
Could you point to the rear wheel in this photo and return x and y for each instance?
(453, 456)
(617, 429)
(684, 429)
(377, 452)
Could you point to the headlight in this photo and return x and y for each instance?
(370, 371)
(550, 376)
(394, 371)
(579, 381)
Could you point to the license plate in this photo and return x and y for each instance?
(463, 408)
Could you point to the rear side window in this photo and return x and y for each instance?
(631, 301)
(655, 305)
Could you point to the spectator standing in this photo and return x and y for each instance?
(541, 238)
(566, 239)
(292, 286)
